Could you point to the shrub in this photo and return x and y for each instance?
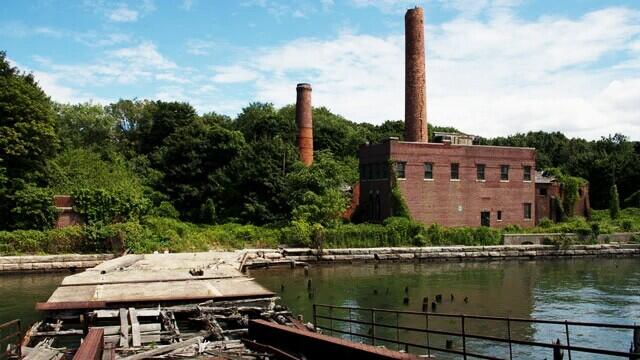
(545, 223)
(34, 208)
(626, 225)
(166, 210)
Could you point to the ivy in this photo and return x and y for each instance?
(100, 206)
(570, 188)
(399, 206)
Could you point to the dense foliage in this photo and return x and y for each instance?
(160, 175)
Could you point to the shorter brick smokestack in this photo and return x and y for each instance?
(304, 123)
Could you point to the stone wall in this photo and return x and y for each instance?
(541, 239)
(272, 257)
(50, 263)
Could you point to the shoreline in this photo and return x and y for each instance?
(265, 258)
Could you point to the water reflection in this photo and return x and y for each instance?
(594, 290)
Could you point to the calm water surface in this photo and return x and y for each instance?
(598, 290)
(592, 290)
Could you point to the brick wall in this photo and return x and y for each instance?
(456, 203)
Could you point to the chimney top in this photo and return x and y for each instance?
(304, 86)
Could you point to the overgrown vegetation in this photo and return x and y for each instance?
(155, 175)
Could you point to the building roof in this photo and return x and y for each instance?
(542, 178)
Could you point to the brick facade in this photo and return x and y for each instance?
(546, 207)
(443, 200)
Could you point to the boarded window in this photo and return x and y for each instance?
(504, 172)
(428, 170)
(455, 171)
(480, 171)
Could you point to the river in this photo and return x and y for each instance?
(592, 290)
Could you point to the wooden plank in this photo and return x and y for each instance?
(124, 329)
(102, 314)
(144, 328)
(92, 346)
(135, 327)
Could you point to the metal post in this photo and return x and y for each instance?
(315, 319)
(373, 327)
(509, 337)
(350, 328)
(566, 330)
(19, 340)
(426, 317)
(464, 340)
(397, 331)
(331, 320)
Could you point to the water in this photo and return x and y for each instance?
(598, 290)
(590, 290)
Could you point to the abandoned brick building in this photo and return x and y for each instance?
(452, 182)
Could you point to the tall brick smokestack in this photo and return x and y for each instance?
(304, 123)
(415, 96)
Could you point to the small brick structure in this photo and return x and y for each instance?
(66, 215)
(548, 189)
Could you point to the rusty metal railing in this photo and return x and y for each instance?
(337, 324)
(10, 339)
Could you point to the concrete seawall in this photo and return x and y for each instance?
(50, 263)
(265, 258)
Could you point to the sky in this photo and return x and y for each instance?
(494, 67)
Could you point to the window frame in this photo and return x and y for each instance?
(527, 211)
(396, 169)
(526, 173)
(499, 215)
(504, 177)
(484, 172)
(457, 172)
(424, 168)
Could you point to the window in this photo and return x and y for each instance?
(543, 192)
(455, 171)
(527, 211)
(428, 171)
(400, 169)
(499, 215)
(485, 218)
(527, 173)
(480, 171)
(504, 172)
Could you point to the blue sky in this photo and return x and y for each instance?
(494, 67)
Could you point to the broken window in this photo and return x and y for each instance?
(428, 170)
(499, 215)
(504, 172)
(543, 191)
(527, 211)
(527, 173)
(480, 171)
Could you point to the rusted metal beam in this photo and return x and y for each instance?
(70, 305)
(317, 346)
(92, 346)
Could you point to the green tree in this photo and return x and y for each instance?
(195, 163)
(85, 125)
(27, 135)
(614, 202)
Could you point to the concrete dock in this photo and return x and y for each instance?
(162, 278)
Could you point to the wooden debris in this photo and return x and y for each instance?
(124, 329)
(165, 349)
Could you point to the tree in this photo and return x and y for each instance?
(85, 125)
(195, 161)
(27, 135)
(614, 202)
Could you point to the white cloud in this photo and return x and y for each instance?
(233, 74)
(186, 4)
(144, 55)
(123, 14)
(490, 77)
(199, 47)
